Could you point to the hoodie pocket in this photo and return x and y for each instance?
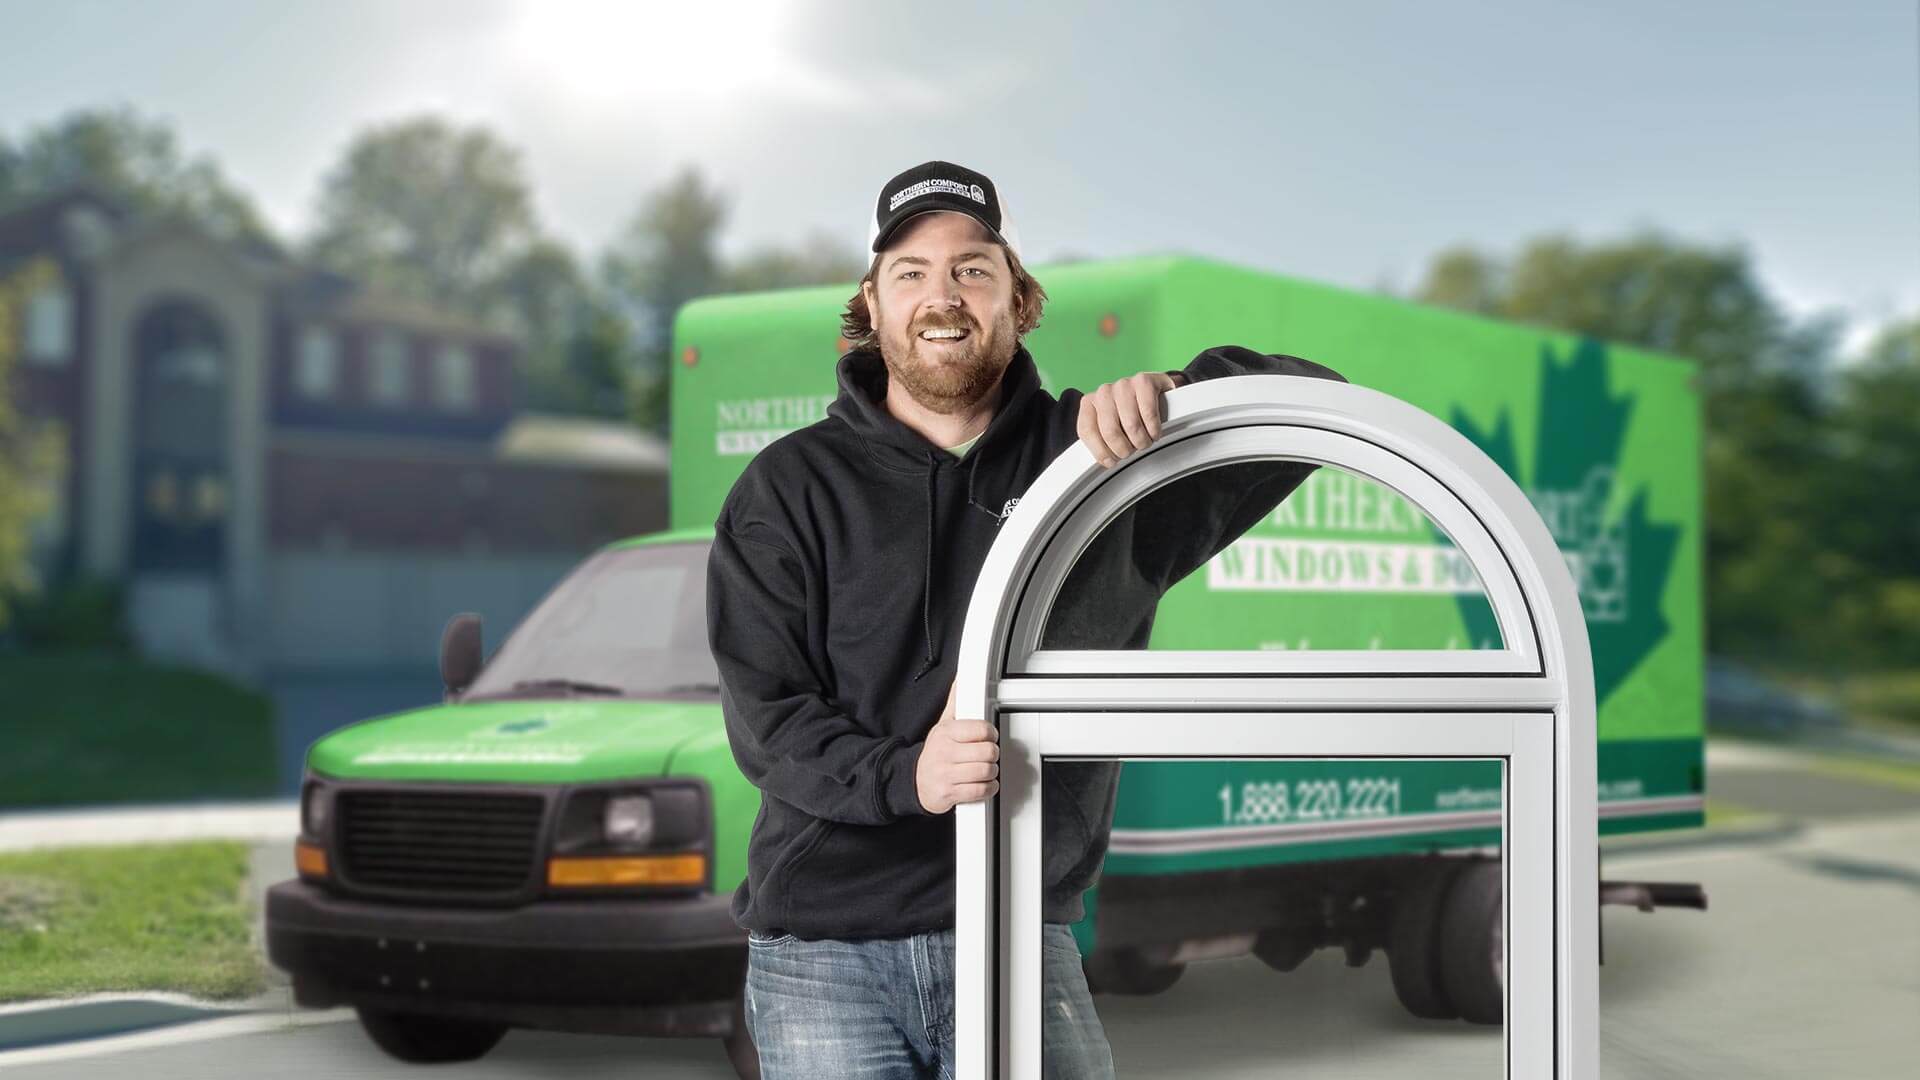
(782, 872)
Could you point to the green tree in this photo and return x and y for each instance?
(577, 354)
(32, 456)
(819, 260)
(667, 255)
(1872, 501)
(423, 209)
(134, 160)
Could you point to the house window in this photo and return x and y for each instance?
(49, 325)
(453, 377)
(390, 380)
(317, 363)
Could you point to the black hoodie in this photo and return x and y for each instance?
(842, 562)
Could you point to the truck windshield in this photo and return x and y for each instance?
(628, 620)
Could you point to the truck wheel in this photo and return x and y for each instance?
(741, 1052)
(427, 1039)
(1413, 943)
(1137, 971)
(1472, 956)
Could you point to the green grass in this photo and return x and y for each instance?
(1721, 813)
(168, 917)
(95, 728)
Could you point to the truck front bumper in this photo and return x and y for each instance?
(601, 965)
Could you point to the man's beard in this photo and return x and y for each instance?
(959, 379)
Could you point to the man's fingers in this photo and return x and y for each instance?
(1089, 431)
(1153, 385)
(1106, 425)
(1109, 420)
(976, 751)
(1128, 407)
(973, 772)
(967, 731)
(974, 792)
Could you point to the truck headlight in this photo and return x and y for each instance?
(316, 809)
(628, 821)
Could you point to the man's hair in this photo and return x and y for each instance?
(856, 323)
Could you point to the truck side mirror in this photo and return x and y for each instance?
(460, 652)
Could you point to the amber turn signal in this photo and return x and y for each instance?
(310, 859)
(628, 870)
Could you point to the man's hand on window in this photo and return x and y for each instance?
(1124, 415)
(960, 761)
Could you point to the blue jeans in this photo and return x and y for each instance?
(882, 1008)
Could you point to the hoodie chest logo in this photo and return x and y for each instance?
(1008, 510)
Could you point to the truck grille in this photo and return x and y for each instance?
(439, 841)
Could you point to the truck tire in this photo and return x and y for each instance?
(741, 1053)
(1135, 971)
(1472, 962)
(1413, 943)
(423, 1040)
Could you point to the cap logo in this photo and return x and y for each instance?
(929, 187)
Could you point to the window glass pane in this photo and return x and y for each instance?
(316, 369)
(1266, 917)
(390, 376)
(453, 377)
(1251, 556)
(49, 325)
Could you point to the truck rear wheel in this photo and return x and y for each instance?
(1413, 943)
(422, 1040)
(1472, 960)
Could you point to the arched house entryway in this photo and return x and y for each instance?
(177, 444)
(180, 472)
(1052, 655)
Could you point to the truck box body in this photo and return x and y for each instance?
(1605, 440)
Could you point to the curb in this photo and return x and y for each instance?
(272, 819)
(98, 1024)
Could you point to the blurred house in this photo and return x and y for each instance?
(289, 471)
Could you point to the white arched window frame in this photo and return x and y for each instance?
(1529, 703)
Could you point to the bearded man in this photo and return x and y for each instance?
(842, 562)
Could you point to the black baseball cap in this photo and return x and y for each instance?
(940, 185)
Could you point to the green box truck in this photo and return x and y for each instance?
(554, 845)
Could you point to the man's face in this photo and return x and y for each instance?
(942, 272)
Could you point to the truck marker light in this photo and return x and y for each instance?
(628, 870)
(309, 859)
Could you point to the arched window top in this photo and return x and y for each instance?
(1477, 540)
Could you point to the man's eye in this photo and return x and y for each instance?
(973, 270)
(908, 273)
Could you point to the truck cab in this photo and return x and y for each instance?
(552, 846)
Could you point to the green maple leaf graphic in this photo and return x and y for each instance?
(1621, 565)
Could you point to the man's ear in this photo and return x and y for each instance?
(872, 297)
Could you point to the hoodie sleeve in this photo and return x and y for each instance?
(1178, 528)
(788, 736)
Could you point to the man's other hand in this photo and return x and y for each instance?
(1124, 415)
(959, 763)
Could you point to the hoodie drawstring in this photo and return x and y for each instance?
(926, 579)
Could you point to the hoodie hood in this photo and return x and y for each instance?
(861, 405)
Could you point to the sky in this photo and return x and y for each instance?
(1345, 143)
